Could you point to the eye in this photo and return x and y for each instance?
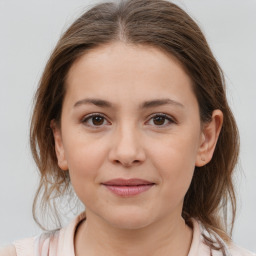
(161, 120)
(95, 120)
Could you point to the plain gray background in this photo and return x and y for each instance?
(28, 32)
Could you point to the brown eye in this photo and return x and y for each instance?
(159, 120)
(97, 120)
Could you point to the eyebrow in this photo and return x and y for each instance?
(161, 102)
(96, 102)
(146, 104)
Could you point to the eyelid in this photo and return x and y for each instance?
(171, 119)
(88, 116)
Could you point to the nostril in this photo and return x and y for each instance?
(127, 164)
(125, 155)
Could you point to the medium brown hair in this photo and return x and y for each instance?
(160, 24)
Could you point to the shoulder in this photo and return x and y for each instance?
(23, 247)
(8, 251)
(59, 242)
(200, 244)
(239, 251)
(28, 246)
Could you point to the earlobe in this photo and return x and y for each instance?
(59, 149)
(209, 138)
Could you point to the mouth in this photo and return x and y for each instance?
(127, 188)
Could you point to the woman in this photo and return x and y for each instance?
(131, 112)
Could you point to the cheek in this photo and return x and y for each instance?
(175, 151)
(174, 158)
(85, 158)
(84, 163)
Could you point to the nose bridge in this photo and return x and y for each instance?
(127, 137)
(127, 147)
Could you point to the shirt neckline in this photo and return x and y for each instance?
(67, 236)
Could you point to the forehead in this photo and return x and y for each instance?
(143, 55)
(130, 69)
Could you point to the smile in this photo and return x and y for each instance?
(127, 188)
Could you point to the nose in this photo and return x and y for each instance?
(127, 148)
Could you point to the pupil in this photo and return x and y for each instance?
(97, 120)
(159, 120)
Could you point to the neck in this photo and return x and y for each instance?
(95, 237)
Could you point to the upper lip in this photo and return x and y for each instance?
(127, 182)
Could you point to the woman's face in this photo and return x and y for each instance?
(130, 134)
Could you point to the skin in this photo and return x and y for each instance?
(127, 141)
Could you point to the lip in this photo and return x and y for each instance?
(128, 187)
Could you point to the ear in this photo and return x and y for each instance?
(209, 138)
(59, 148)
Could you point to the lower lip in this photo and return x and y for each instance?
(126, 191)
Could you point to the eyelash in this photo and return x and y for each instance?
(89, 117)
(166, 117)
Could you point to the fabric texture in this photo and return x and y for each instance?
(61, 243)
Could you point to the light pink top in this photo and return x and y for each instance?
(61, 243)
